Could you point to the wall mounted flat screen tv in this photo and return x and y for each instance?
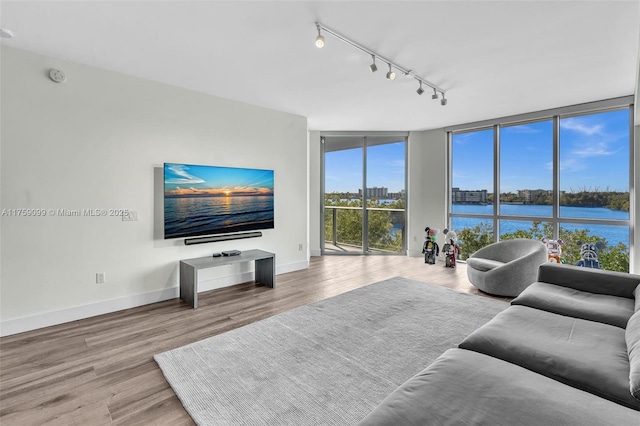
(206, 200)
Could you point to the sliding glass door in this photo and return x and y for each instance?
(364, 194)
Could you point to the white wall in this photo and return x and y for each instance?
(315, 207)
(427, 187)
(98, 141)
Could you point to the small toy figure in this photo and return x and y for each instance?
(589, 254)
(554, 250)
(430, 247)
(450, 249)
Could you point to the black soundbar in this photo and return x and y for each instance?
(221, 237)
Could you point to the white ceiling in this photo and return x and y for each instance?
(493, 58)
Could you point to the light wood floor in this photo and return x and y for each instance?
(101, 370)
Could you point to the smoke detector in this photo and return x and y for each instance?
(57, 76)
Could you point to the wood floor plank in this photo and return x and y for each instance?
(100, 370)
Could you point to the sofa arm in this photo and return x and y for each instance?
(591, 280)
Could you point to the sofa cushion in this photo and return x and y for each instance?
(588, 279)
(584, 354)
(632, 337)
(561, 300)
(468, 388)
(483, 264)
(636, 295)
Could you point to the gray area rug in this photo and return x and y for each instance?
(328, 363)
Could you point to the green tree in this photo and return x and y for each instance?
(596, 198)
(613, 258)
(348, 218)
(473, 239)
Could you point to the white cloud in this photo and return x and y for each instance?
(572, 165)
(184, 177)
(579, 126)
(523, 128)
(593, 149)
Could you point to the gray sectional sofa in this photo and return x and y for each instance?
(566, 352)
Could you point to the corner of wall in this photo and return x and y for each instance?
(427, 186)
(314, 196)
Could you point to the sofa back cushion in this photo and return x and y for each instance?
(588, 279)
(613, 310)
(632, 337)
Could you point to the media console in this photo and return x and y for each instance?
(265, 271)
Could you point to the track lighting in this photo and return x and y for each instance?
(391, 75)
(319, 39)
(373, 67)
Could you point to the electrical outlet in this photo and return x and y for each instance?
(100, 277)
(130, 215)
(300, 246)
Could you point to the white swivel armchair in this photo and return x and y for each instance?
(507, 267)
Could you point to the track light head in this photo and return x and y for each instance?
(443, 101)
(391, 75)
(319, 39)
(420, 90)
(373, 67)
(435, 94)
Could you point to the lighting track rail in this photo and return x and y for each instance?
(320, 42)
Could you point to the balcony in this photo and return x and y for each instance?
(344, 232)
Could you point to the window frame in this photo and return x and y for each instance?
(623, 103)
(363, 142)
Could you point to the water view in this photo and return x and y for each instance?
(188, 216)
(613, 234)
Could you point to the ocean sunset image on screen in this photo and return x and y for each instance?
(205, 200)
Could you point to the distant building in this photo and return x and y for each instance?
(396, 195)
(376, 192)
(530, 195)
(459, 196)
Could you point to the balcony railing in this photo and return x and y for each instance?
(385, 231)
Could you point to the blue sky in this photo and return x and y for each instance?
(385, 168)
(190, 180)
(594, 154)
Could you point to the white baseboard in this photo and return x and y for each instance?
(414, 253)
(47, 319)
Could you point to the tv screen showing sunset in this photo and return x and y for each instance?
(204, 200)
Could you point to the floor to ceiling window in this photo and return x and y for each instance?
(563, 175)
(364, 194)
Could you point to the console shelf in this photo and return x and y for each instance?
(265, 271)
